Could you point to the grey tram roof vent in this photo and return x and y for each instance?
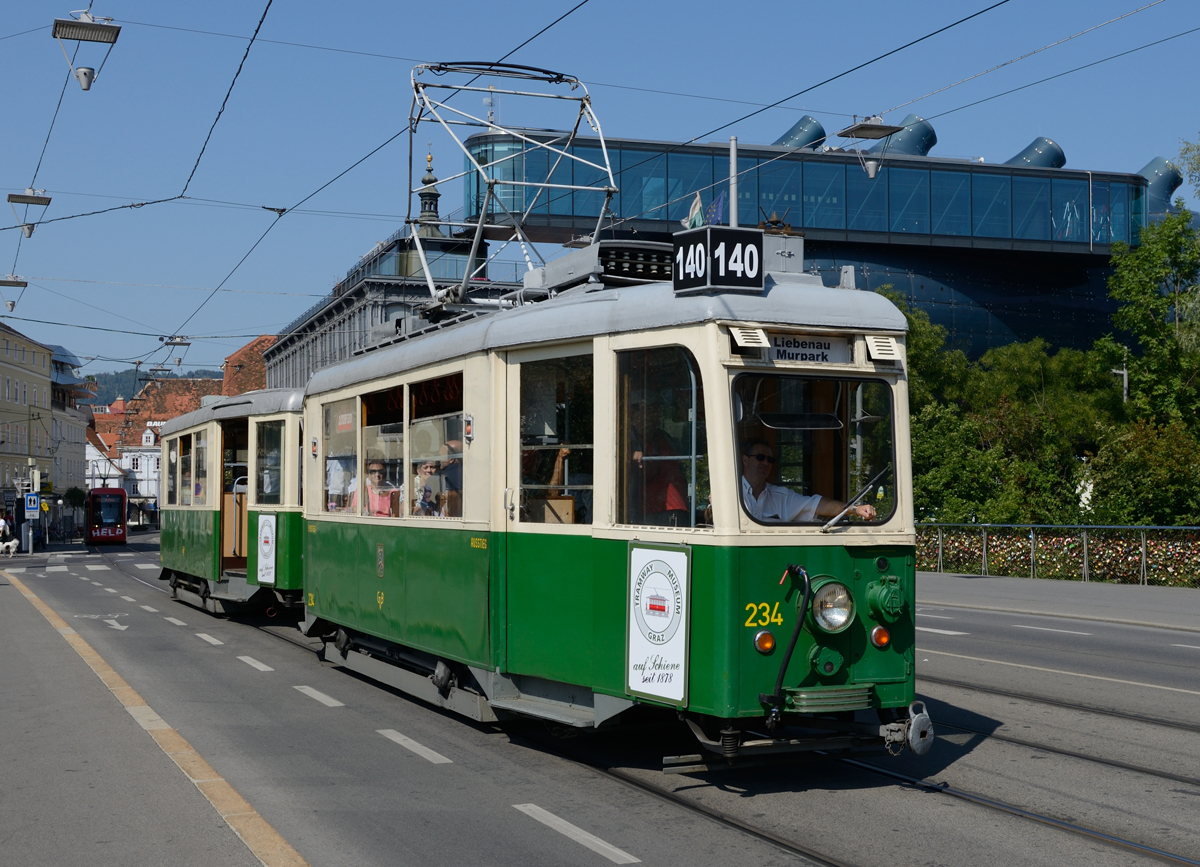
(915, 140)
(1164, 177)
(807, 132)
(1041, 153)
(615, 263)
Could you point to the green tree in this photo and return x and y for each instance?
(1147, 474)
(74, 497)
(934, 373)
(1189, 158)
(1156, 285)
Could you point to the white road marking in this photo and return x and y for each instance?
(1188, 646)
(1048, 629)
(580, 836)
(147, 718)
(129, 599)
(934, 616)
(84, 578)
(410, 744)
(320, 696)
(209, 638)
(109, 590)
(254, 663)
(115, 625)
(92, 567)
(939, 631)
(175, 620)
(146, 566)
(16, 570)
(97, 583)
(148, 608)
(56, 568)
(125, 555)
(1060, 671)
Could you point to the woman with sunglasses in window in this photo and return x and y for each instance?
(379, 492)
(774, 504)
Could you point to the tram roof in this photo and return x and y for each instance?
(264, 402)
(587, 312)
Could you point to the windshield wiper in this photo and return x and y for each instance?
(850, 504)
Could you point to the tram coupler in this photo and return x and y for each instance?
(916, 732)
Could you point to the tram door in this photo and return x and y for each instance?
(235, 519)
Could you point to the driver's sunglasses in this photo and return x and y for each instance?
(374, 472)
(760, 458)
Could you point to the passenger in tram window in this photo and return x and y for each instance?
(379, 492)
(773, 504)
(656, 458)
(451, 474)
(428, 496)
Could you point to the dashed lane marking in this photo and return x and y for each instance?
(109, 590)
(324, 699)
(16, 570)
(409, 744)
(1048, 629)
(254, 663)
(934, 616)
(125, 555)
(1060, 671)
(206, 637)
(56, 568)
(92, 567)
(939, 631)
(84, 578)
(175, 620)
(129, 599)
(267, 844)
(97, 583)
(1188, 646)
(148, 608)
(146, 566)
(580, 836)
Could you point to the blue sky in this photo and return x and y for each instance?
(299, 116)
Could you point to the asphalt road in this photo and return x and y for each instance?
(351, 773)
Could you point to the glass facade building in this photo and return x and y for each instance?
(821, 191)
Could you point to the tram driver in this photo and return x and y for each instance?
(775, 504)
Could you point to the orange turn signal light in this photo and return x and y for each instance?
(764, 641)
(880, 637)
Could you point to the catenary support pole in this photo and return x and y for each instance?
(733, 182)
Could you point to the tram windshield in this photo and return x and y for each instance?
(107, 510)
(807, 445)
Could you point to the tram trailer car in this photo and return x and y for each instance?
(566, 508)
(107, 517)
(230, 509)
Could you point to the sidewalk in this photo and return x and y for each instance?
(1163, 607)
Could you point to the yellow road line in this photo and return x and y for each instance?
(1060, 671)
(267, 845)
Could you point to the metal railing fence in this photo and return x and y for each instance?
(1159, 556)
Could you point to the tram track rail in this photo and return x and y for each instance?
(1061, 751)
(1065, 705)
(1030, 815)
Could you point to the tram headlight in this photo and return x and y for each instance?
(833, 607)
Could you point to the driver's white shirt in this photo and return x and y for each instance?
(777, 503)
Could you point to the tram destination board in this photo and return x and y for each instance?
(718, 258)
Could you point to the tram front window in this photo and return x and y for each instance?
(107, 510)
(807, 445)
(662, 457)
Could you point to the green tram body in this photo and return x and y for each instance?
(211, 540)
(507, 599)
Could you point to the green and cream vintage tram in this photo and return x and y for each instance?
(619, 496)
(230, 504)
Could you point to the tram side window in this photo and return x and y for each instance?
(341, 454)
(268, 462)
(557, 401)
(662, 453)
(383, 449)
(436, 441)
(201, 468)
(185, 470)
(806, 445)
(172, 468)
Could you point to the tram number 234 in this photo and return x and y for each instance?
(718, 258)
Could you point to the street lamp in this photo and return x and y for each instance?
(86, 28)
(870, 128)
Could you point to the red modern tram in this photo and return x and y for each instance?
(106, 517)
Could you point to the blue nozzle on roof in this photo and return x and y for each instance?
(1164, 177)
(807, 132)
(915, 140)
(1041, 153)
